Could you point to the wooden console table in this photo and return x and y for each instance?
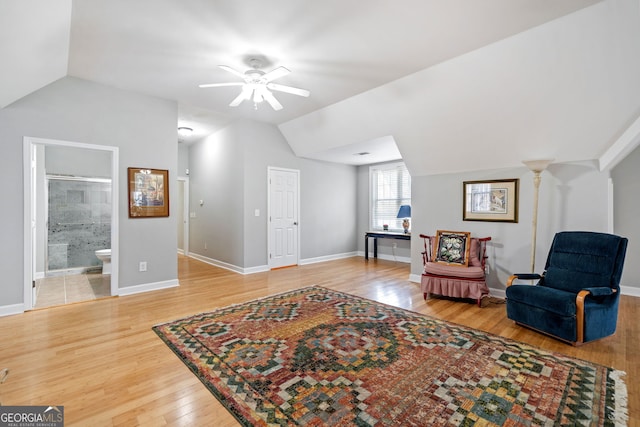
(381, 235)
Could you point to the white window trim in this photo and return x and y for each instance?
(372, 169)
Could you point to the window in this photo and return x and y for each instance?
(390, 188)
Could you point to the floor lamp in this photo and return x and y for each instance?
(536, 166)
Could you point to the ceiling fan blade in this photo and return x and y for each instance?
(221, 84)
(288, 89)
(276, 74)
(244, 95)
(268, 96)
(232, 71)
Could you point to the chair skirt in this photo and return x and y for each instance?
(456, 287)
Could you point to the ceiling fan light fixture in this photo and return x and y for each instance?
(257, 85)
(247, 90)
(257, 95)
(185, 131)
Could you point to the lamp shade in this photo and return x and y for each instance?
(537, 165)
(404, 212)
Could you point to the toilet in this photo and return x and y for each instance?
(104, 255)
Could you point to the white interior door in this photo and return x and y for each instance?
(283, 217)
(183, 215)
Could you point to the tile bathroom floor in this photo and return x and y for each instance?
(58, 290)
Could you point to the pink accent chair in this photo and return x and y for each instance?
(457, 281)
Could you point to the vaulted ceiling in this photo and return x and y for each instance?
(448, 85)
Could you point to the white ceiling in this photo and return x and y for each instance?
(349, 53)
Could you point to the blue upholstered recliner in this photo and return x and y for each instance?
(576, 298)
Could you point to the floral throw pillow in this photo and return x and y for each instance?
(452, 247)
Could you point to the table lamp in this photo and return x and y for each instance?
(405, 213)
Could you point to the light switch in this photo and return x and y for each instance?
(192, 215)
(257, 212)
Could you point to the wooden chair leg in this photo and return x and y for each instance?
(483, 301)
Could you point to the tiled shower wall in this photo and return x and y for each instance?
(79, 222)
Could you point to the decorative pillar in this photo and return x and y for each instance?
(536, 166)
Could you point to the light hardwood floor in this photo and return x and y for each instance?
(101, 360)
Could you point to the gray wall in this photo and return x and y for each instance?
(626, 214)
(77, 162)
(72, 109)
(216, 179)
(229, 172)
(328, 209)
(262, 146)
(573, 196)
(183, 159)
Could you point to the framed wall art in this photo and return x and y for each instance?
(495, 200)
(148, 192)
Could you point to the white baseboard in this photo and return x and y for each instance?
(258, 269)
(630, 290)
(498, 293)
(38, 275)
(327, 258)
(227, 266)
(262, 268)
(148, 287)
(406, 260)
(10, 310)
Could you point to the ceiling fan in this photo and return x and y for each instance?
(258, 85)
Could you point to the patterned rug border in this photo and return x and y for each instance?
(262, 298)
(620, 395)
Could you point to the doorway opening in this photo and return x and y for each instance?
(183, 216)
(71, 203)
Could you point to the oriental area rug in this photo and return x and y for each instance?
(320, 357)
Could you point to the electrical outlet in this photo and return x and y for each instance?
(395, 245)
(205, 246)
(143, 265)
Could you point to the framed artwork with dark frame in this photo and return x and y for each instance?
(495, 200)
(148, 192)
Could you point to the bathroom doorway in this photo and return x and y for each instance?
(71, 197)
(77, 216)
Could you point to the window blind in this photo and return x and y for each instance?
(390, 188)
